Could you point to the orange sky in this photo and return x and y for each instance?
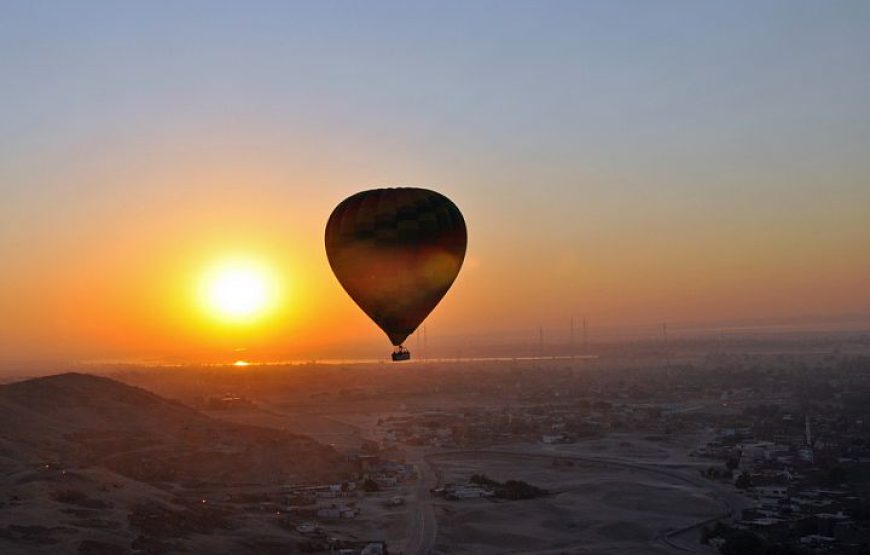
(592, 186)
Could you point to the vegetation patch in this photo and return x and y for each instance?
(511, 489)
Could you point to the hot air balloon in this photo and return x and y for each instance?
(396, 252)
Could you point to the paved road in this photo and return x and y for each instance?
(422, 527)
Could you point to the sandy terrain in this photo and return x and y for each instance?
(324, 429)
(595, 507)
(624, 494)
(89, 465)
(620, 493)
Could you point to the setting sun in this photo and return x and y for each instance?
(239, 292)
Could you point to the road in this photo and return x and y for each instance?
(422, 527)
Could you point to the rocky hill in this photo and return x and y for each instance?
(91, 465)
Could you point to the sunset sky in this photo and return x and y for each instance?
(630, 162)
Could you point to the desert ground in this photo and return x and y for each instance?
(228, 460)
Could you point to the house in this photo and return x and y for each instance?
(551, 439)
(307, 528)
(386, 481)
(467, 492)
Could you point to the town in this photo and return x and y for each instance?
(760, 447)
(778, 439)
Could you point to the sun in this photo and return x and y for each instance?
(238, 291)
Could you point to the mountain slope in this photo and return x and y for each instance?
(76, 419)
(91, 465)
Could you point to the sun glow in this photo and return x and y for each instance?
(239, 292)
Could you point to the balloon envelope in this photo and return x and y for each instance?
(396, 252)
